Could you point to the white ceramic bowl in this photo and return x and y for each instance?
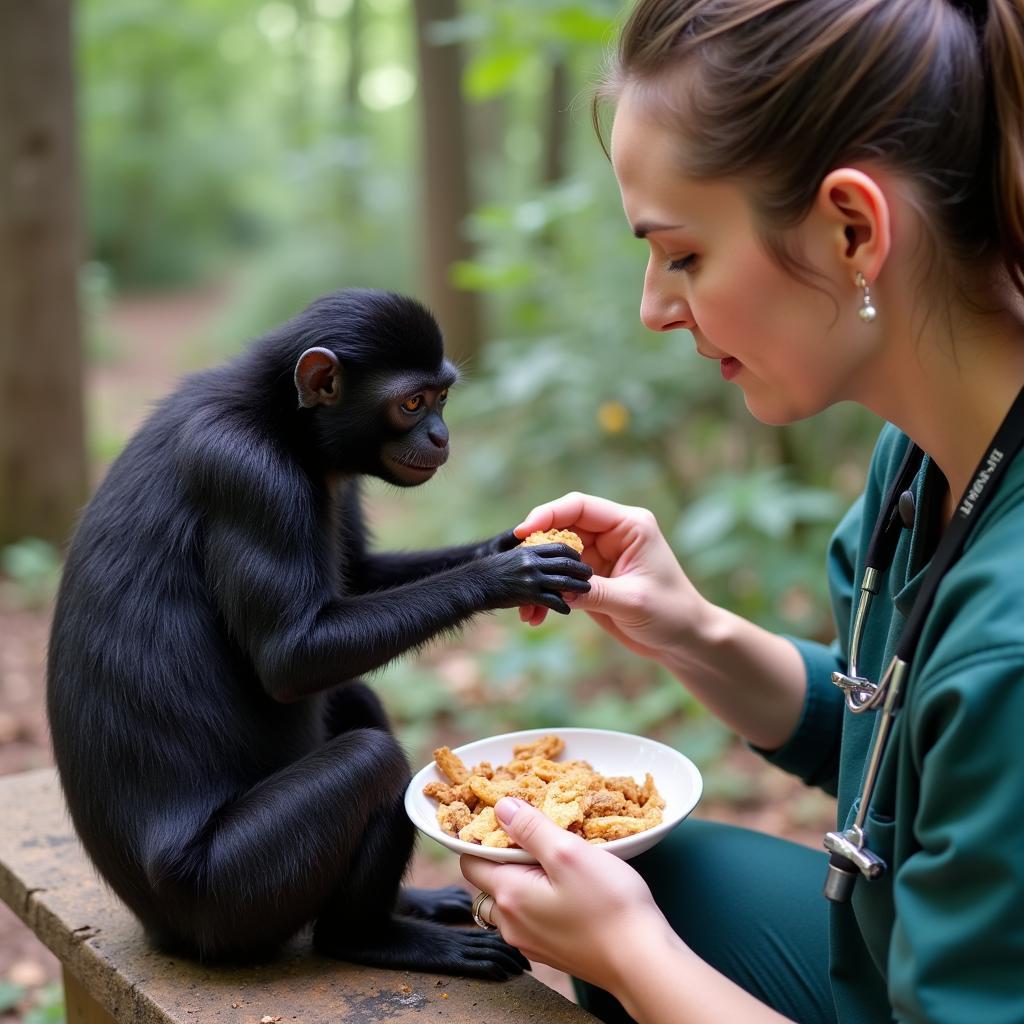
(610, 753)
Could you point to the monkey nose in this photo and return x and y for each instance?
(440, 439)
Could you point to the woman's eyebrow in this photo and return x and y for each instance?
(644, 228)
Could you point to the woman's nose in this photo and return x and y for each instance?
(662, 308)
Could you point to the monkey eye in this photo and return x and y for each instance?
(443, 397)
(413, 404)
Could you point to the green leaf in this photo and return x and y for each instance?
(475, 277)
(493, 73)
(580, 25)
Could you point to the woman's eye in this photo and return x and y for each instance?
(682, 264)
(413, 404)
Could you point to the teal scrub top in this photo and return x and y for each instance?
(940, 938)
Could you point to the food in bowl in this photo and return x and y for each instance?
(599, 808)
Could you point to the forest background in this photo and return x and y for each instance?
(176, 179)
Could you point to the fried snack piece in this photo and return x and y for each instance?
(615, 826)
(483, 824)
(555, 537)
(454, 817)
(498, 839)
(451, 765)
(489, 791)
(625, 785)
(605, 802)
(563, 802)
(547, 746)
(597, 808)
(445, 793)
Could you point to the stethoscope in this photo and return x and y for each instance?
(849, 854)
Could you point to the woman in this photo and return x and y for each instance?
(832, 197)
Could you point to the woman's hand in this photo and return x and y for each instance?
(639, 592)
(577, 909)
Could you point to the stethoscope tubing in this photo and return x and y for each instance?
(849, 850)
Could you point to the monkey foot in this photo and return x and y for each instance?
(408, 944)
(450, 905)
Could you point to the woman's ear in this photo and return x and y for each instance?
(856, 205)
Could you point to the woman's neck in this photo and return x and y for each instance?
(951, 396)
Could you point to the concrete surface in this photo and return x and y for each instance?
(47, 881)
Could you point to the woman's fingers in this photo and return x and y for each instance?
(589, 513)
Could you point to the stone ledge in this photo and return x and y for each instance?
(47, 881)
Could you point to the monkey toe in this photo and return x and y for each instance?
(415, 945)
(449, 905)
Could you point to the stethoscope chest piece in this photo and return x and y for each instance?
(848, 858)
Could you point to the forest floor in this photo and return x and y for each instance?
(152, 337)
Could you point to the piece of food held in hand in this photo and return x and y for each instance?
(554, 537)
(599, 808)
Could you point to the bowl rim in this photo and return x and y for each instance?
(518, 855)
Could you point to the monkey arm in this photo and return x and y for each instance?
(367, 570)
(384, 569)
(276, 598)
(267, 567)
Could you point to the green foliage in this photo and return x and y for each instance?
(32, 570)
(40, 1006)
(219, 139)
(215, 129)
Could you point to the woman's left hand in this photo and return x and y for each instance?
(577, 910)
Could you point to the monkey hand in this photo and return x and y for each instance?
(535, 575)
(504, 541)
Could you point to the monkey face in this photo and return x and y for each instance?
(421, 448)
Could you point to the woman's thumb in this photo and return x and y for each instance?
(534, 831)
(601, 596)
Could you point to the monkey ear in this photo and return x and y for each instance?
(318, 378)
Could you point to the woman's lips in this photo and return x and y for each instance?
(730, 367)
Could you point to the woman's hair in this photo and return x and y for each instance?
(777, 93)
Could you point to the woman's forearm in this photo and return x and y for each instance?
(662, 981)
(754, 680)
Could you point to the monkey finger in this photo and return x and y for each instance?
(554, 602)
(556, 551)
(566, 567)
(566, 584)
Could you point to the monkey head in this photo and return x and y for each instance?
(388, 424)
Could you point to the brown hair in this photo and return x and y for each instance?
(777, 93)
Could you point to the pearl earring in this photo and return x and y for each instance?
(867, 312)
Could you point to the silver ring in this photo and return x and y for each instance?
(478, 911)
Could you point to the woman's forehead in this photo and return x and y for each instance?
(648, 161)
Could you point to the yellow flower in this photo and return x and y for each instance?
(613, 417)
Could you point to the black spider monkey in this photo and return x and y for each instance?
(227, 772)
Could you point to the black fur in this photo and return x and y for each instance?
(227, 772)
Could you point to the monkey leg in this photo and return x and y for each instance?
(347, 929)
(325, 838)
(353, 705)
(268, 862)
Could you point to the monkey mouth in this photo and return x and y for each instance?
(413, 472)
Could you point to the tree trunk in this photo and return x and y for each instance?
(43, 476)
(556, 124)
(446, 195)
